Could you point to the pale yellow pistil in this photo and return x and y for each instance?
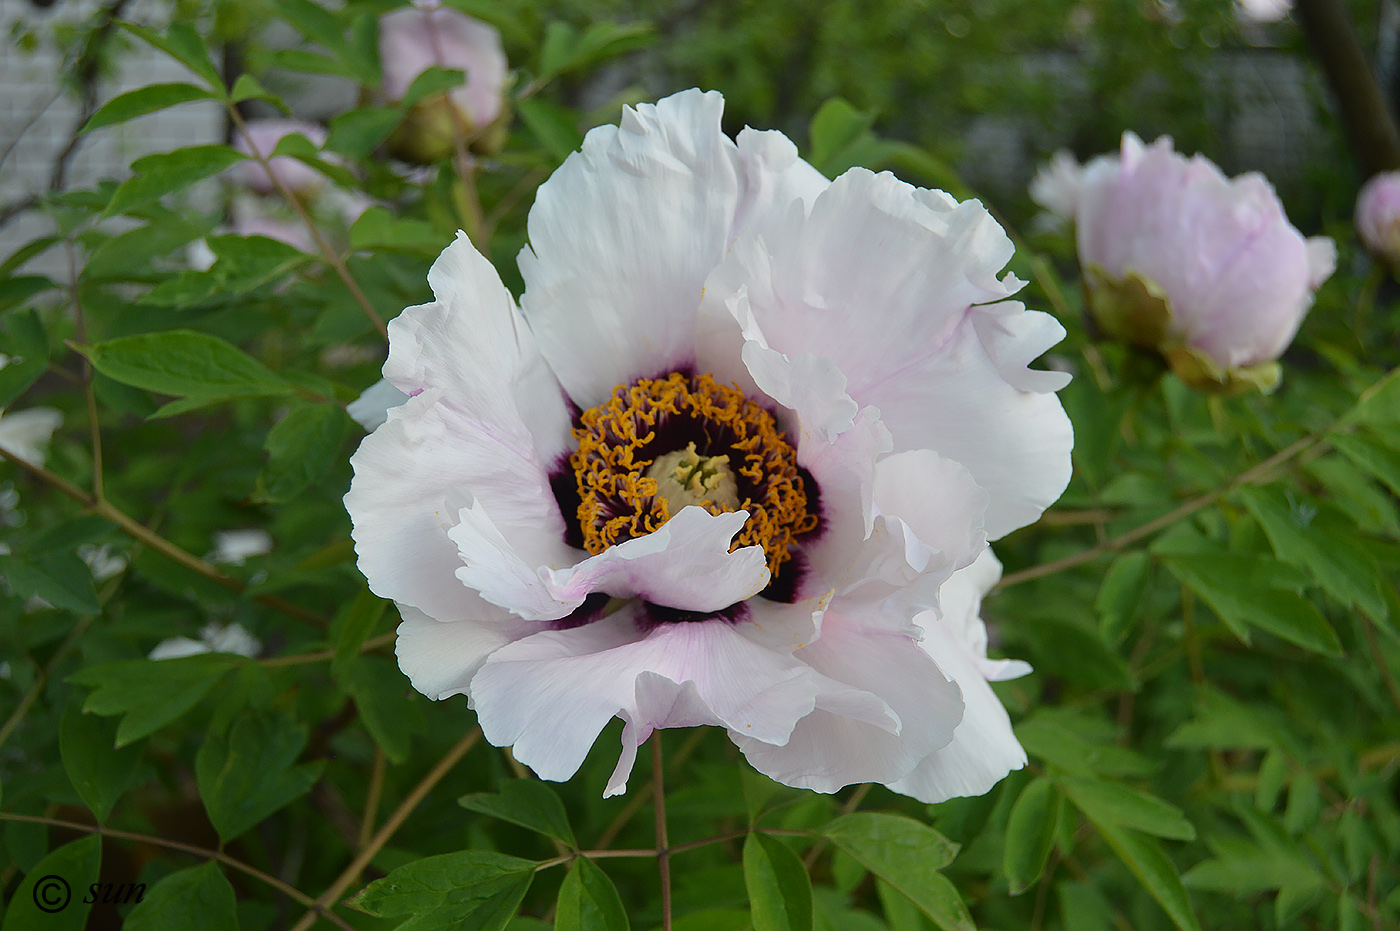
(685, 477)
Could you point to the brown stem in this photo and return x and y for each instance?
(663, 847)
(1370, 129)
(158, 543)
(326, 900)
(1248, 477)
(290, 891)
(328, 252)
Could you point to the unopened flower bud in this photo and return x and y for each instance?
(423, 36)
(1378, 216)
(1204, 269)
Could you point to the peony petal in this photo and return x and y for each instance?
(621, 239)
(685, 564)
(371, 408)
(472, 344)
(828, 749)
(882, 279)
(983, 749)
(412, 476)
(440, 657)
(550, 694)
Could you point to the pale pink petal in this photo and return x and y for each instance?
(550, 694)
(440, 657)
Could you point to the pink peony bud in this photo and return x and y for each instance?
(1204, 269)
(416, 38)
(1378, 216)
(262, 137)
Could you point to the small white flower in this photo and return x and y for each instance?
(732, 461)
(213, 638)
(1056, 186)
(234, 547)
(101, 561)
(26, 434)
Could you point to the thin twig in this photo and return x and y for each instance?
(290, 891)
(89, 396)
(321, 656)
(1248, 477)
(663, 847)
(326, 900)
(643, 794)
(372, 797)
(156, 542)
(40, 680)
(328, 251)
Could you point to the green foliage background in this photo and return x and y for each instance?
(1214, 720)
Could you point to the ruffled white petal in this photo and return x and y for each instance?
(830, 748)
(621, 239)
(983, 749)
(550, 694)
(893, 284)
(684, 564)
(371, 408)
(412, 477)
(440, 657)
(472, 344)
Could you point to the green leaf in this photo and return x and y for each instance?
(184, 363)
(314, 22)
(198, 897)
(248, 88)
(780, 892)
(61, 579)
(183, 43)
(1030, 834)
(837, 128)
(588, 901)
(145, 100)
(378, 229)
(472, 890)
(301, 448)
(151, 693)
(1249, 875)
(98, 769)
(168, 172)
(1123, 806)
(386, 703)
(353, 625)
(357, 133)
(904, 853)
(1078, 655)
(555, 127)
(564, 49)
(51, 896)
(1120, 593)
(1144, 856)
(1305, 536)
(528, 803)
(1240, 599)
(14, 289)
(26, 342)
(248, 774)
(1371, 455)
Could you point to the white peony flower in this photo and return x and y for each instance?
(213, 638)
(26, 434)
(1203, 268)
(744, 428)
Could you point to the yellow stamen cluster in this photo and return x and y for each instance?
(621, 501)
